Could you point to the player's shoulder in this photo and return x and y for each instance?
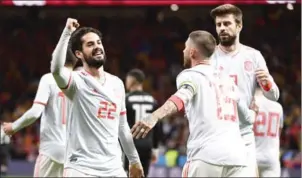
(47, 78)
(249, 49)
(278, 105)
(187, 73)
(114, 79)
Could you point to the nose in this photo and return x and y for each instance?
(222, 28)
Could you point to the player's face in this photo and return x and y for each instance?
(93, 52)
(187, 57)
(130, 81)
(227, 29)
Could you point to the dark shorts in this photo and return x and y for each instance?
(4, 154)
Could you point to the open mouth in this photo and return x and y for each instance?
(98, 53)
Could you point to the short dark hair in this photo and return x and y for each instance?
(137, 74)
(226, 9)
(204, 41)
(76, 37)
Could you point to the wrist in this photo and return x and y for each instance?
(135, 163)
(67, 31)
(14, 127)
(267, 86)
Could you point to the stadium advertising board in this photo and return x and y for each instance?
(136, 2)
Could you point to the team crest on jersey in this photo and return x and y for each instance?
(248, 66)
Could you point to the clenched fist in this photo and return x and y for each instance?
(72, 24)
(8, 128)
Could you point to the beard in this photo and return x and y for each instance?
(227, 40)
(95, 61)
(187, 62)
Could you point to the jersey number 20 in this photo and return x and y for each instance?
(141, 110)
(267, 124)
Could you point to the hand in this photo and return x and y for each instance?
(254, 106)
(262, 77)
(8, 128)
(154, 156)
(72, 24)
(143, 127)
(136, 170)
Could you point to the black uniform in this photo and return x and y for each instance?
(139, 104)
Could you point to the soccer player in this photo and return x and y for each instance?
(98, 114)
(245, 65)
(4, 152)
(215, 147)
(54, 106)
(267, 129)
(139, 104)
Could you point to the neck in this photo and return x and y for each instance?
(231, 48)
(94, 71)
(200, 62)
(136, 88)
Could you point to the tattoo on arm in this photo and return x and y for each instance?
(168, 109)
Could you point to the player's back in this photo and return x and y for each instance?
(214, 133)
(139, 105)
(266, 129)
(53, 120)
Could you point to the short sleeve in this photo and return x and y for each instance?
(185, 79)
(43, 92)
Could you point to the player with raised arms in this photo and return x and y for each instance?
(98, 114)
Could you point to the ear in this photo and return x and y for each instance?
(239, 27)
(193, 53)
(79, 54)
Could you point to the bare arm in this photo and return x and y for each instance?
(173, 105)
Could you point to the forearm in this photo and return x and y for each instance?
(166, 110)
(28, 117)
(126, 141)
(60, 74)
(174, 104)
(248, 115)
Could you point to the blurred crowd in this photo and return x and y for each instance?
(156, 47)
